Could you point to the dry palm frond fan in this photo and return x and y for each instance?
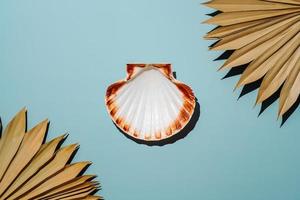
(264, 36)
(32, 169)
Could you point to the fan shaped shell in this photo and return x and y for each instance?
(150, 104)
(32, 169)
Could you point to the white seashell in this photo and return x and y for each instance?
(150, 104)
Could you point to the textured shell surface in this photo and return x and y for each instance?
(150, 104)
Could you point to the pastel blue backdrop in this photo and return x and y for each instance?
(58, 56)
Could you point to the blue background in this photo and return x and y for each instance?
(58, 56)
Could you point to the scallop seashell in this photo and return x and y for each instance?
(263, 37)
(31, 168)
(150, 104)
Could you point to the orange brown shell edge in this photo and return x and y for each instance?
(176, 126)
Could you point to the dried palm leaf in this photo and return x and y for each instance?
(32, 169)
(264, 35)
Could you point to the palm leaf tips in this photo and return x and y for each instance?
(264, 35)
(31, 168)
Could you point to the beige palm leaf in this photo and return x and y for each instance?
(264, 35)
(32, 169)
